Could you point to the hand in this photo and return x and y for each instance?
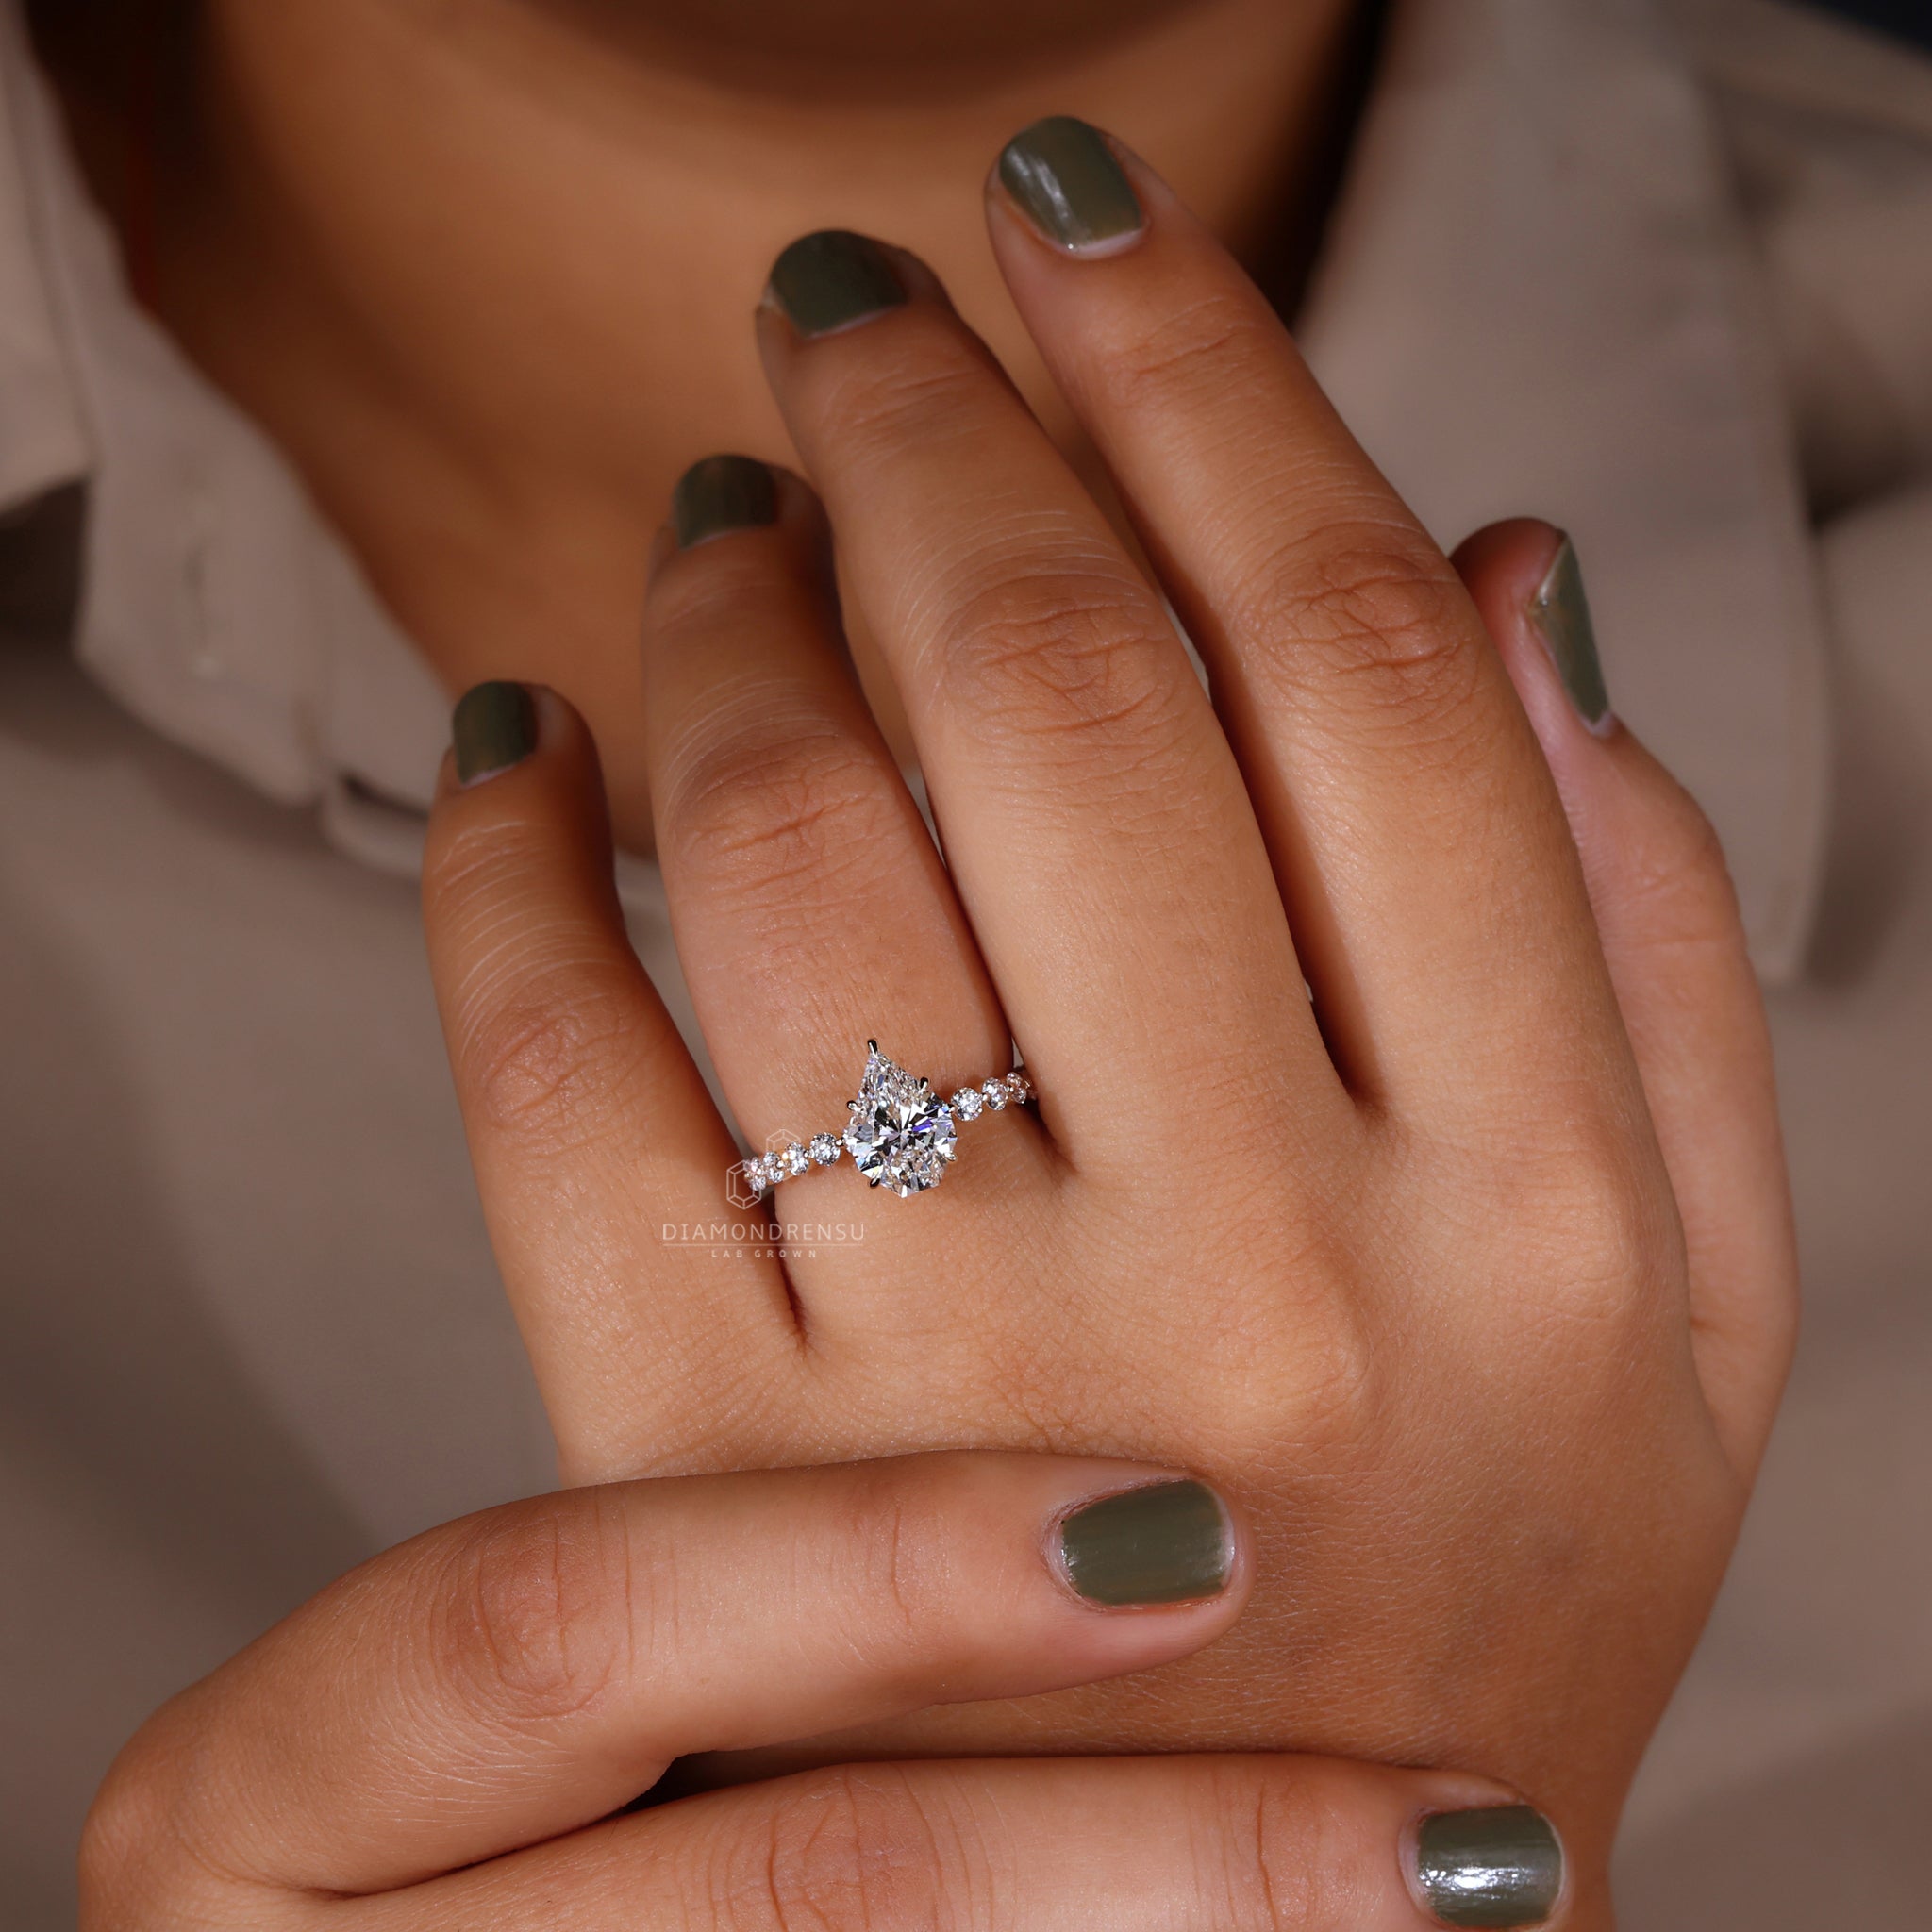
(442, 1737)
(1471, 1277)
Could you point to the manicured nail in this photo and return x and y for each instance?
(833, 279)
(1166, 1544)
(720, 495)
(1501, 1866)
(494, 727)
(1560, 612)
(1065, 178)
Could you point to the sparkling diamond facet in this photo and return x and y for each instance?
(995, 1091)
(901, 1134)
(966, 1102)
(795, 1160)
(824, 1149)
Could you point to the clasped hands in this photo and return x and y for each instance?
(1388, 1300)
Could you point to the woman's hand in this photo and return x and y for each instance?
(1469, 1275)
(442, 1738)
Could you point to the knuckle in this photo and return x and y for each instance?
(1060, 658)
(1297, 1366)
(537, 1622)
(1602, 1229)
(543, 1056)
(142, 1857)
(1620, 1227)
(1336, 1387)
(850, 1848)
(899, 1568)
(780, 803)
(132, 1816)
(1378, 622)
(1286, 1858)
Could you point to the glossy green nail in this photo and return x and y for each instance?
(1501, 1866)
(1560, 612)
(494, 727)
(832, 279)
(1166, 1544)
(1064, 177)
(720, 495)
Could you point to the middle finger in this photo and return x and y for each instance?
(1095, 822)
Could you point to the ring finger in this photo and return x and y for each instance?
(810, 906)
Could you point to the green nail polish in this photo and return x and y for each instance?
(1065, 179)
(1167, 1543)
(1501, 1866)
(832, 279)
(721, 495)
(1560, 612)
(494, 727)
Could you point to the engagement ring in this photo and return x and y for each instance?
(901, 1135)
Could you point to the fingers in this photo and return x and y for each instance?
(1669, 924)
(1429, 880)
(1095, 823)
(809, 901)
(1201, 1845)
(577, 1091)
(526, 1671)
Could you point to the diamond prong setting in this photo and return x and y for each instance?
(901, 1135)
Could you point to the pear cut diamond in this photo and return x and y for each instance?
(901, 1135)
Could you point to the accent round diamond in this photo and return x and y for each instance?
(995, 1092)
(795, 1160)
(824, 1149)
(1019, 1085)
(901, 1134)
(966, 1102)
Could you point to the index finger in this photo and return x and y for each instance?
(523, 1673)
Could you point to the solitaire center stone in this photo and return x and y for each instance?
(901, 1135)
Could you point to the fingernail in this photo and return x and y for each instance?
(1560, 612)
(833, 279)
(720, 495)
(493, 728)
(1166, 1544)
(1501, 1866)
(1065, 178)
